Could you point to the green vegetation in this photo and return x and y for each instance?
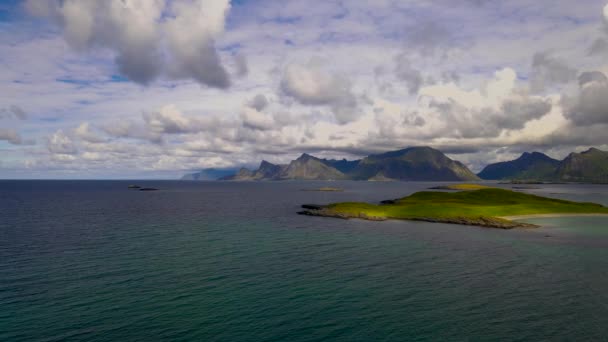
(483, 207)
(467, 187)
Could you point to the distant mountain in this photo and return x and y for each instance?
(588, 166)
(266, 171)
(343, 165)
(412, 164)
(311, 168)
(529, 166)
(208, 174)
(306, 167)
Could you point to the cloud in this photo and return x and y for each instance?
(191, 34)
(499, 106)
(13, 112)
(11, 136)
(60, 143)
(259, 102)
(149, 38)
(256, 120)
(129, 129)
(590, 105)
(548, 71)
(405, 72)
(435, 83)
(155, 125)
(599, 47)
(591, 76)
(312, 84)
(86, 133)
(170, 120)
(517, 110)
(413, 119)
(428, 38)
(242, 68)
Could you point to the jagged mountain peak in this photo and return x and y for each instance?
(412, 163)
(306, 156)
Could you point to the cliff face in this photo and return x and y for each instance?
(529, 166)
(415, 163)
(588, 166)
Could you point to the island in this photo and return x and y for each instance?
(325, 189)
(485, 207)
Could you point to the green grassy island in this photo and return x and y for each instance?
(486, 207)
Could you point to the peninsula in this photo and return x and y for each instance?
(485, 207)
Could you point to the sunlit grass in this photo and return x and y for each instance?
(486, 202)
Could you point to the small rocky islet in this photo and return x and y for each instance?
(325, 189)
(137, 187)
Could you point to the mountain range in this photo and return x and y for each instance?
(588, 166)
(423, 164)
(410, 164)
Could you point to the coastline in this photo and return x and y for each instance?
(523, 217)
(481, 221)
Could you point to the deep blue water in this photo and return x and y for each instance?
(94, 261)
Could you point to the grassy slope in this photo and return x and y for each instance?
(490, 203)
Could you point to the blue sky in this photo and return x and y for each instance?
(156, 88)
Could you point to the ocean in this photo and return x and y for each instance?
(222, 261)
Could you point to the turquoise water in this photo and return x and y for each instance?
(232, 262)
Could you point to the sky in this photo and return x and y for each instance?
(158, 88)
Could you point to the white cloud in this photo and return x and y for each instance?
(85, 133)
(590, 105)
(60, 143)
(256, 120)
(313, 84)
(148, 37)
